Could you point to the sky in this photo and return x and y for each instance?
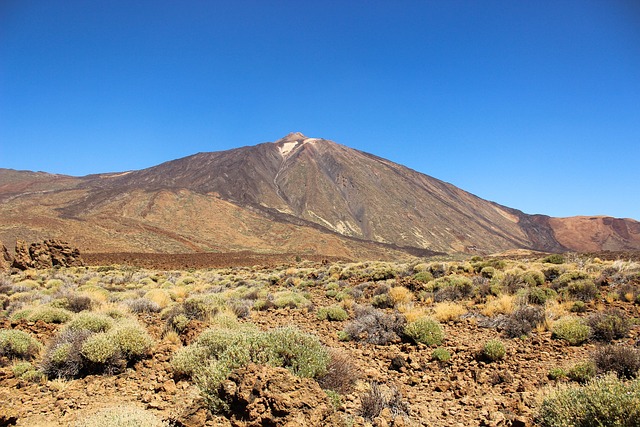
(532, 104)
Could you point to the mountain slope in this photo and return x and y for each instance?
(297, 193)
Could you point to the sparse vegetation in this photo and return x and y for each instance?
(120, 314)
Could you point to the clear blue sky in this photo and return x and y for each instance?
(532, 104)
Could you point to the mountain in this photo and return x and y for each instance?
(298, 194)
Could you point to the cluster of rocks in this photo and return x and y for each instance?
(41, 255)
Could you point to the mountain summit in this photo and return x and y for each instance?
(297, 193)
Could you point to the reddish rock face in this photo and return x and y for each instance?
(50, 253)
(5, 258)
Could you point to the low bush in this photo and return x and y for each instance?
(557, 374)
(609, 325)
(18, 344)
(376, 399)
(63, 358)
(142, 305)
(539, 296)
(605, 402)
(493, 350)
(441, 354)
(333, 313)
(523, 320)
(623, 360)
(121, 416)
(341, 375)
(375, 326)
(582, 372)
(425, 330)
(571, 329)
(93, 322)
(216, 352)
(45, 313)
(132, 340)
(554, 259)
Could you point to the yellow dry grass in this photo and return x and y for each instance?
(448, 311)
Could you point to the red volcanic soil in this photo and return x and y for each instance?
(197, 260)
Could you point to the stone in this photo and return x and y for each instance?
(47, 254)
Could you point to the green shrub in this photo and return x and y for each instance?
(121, 416)
(212, 357)
(571, 329)
(441, 354)
(423, 277)
(49, 314)
(100, 348)
(578, 307)
(583, 290)
(609, 325)
(539, 296)
(557, 374)
(290, 299)
(554, 259)
(582, 372)
(623, 360)
(334, 313)
(493, 350)
(132, 340)
(93, 322)
(605, 402)
(18, 344)
(425, 330)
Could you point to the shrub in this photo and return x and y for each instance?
(441, 354)
(100, 349)
(73, 302)
(606, 402)
(50, 314)
(382, 301)
(451, 288)
(18, 344)
(375, 326)
(578, 307)
(583, 290)
(423, 277)
(582, 372)
(557, 374)
(93, 322)
(341, 374)
(334, 313)
(554, 259)
(624, 361)
(609, 325)
(121, 416)
(143, 305)
(425, 330)
(132, 340)
(539, 296)
(571, 329)
(290, 299)
(299, 352)
(493, 350)
(374, 401)
(63, 358)
(522, 321)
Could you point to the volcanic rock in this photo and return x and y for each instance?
(264, 395)
(50, 253)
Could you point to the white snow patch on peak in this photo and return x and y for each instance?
(287, 147)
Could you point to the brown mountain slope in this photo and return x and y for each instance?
(297, 194)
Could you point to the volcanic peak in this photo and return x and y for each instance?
(293, 141)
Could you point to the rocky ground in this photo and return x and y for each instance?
(464, 391)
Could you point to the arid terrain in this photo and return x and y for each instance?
(423, 342)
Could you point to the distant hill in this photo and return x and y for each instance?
(296, 195)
